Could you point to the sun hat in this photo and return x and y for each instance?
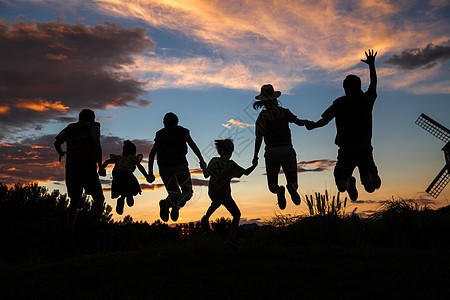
(268, 93)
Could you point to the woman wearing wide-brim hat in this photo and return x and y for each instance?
(272, 125)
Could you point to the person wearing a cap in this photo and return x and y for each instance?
(272, 125)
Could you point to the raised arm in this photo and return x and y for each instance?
(194, 148)
(370, 60)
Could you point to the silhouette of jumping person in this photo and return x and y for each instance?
(272, 125)
(84, 153)
(221, 170)
(170, 148)
(124, 183)
(353, 116)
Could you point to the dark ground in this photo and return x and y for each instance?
(207, 269)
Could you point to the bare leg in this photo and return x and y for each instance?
(205, 219)
(272, 182)
(72, 213)
(292, 179)
(234, 226)
(97, 209)
(232, 207)
(212, 208)
(292, 186)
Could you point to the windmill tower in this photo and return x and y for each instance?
(442, 133)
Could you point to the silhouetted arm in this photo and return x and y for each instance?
(194, 148)
(258, 142)
(141, 168)
(151, 160)
(206, 173)
(322, 122)
(249, 170)
(106, 163)
(301, 122)
(98, 155)
(370, 60)
(59, 149)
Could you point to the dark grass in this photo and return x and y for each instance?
(402, 252)
(207, 269)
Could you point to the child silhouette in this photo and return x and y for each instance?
(221, 170)
(353, 115)
(124, 183)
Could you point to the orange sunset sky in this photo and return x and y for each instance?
(205, 60)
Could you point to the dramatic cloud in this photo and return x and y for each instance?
(314, 166)
(250, 45)
(170, 72)
(35, 159)
(235, 123)
(51, 69)
(421, 58)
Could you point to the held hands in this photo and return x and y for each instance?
(310, 125)
(255, 161)
(102, 171)
(370, 58)
(150, 178)
(203, 165)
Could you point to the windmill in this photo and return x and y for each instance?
(442, 133)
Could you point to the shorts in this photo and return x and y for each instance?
(176, 178)
(81, 175)
(349, 159)
(281, 156)
(228, 202)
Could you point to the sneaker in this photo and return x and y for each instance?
(233, 244)
(175, 213)
(164, 210)
(351, 189)
(185, 197)
(373, 183)
(295, 197)
(119, 205)
(205, 225)
(130, 201)
(281, 197)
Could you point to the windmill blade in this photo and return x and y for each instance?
(446, 150)
(439, 182)
(434, 128)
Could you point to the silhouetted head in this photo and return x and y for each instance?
(268, 97)
(170, 119)
(224, 147)
(352, 84)
(86, 115)
(129, 148)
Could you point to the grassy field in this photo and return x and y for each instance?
(206, 268)
(403, 252)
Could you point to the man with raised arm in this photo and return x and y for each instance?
(353, 116)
